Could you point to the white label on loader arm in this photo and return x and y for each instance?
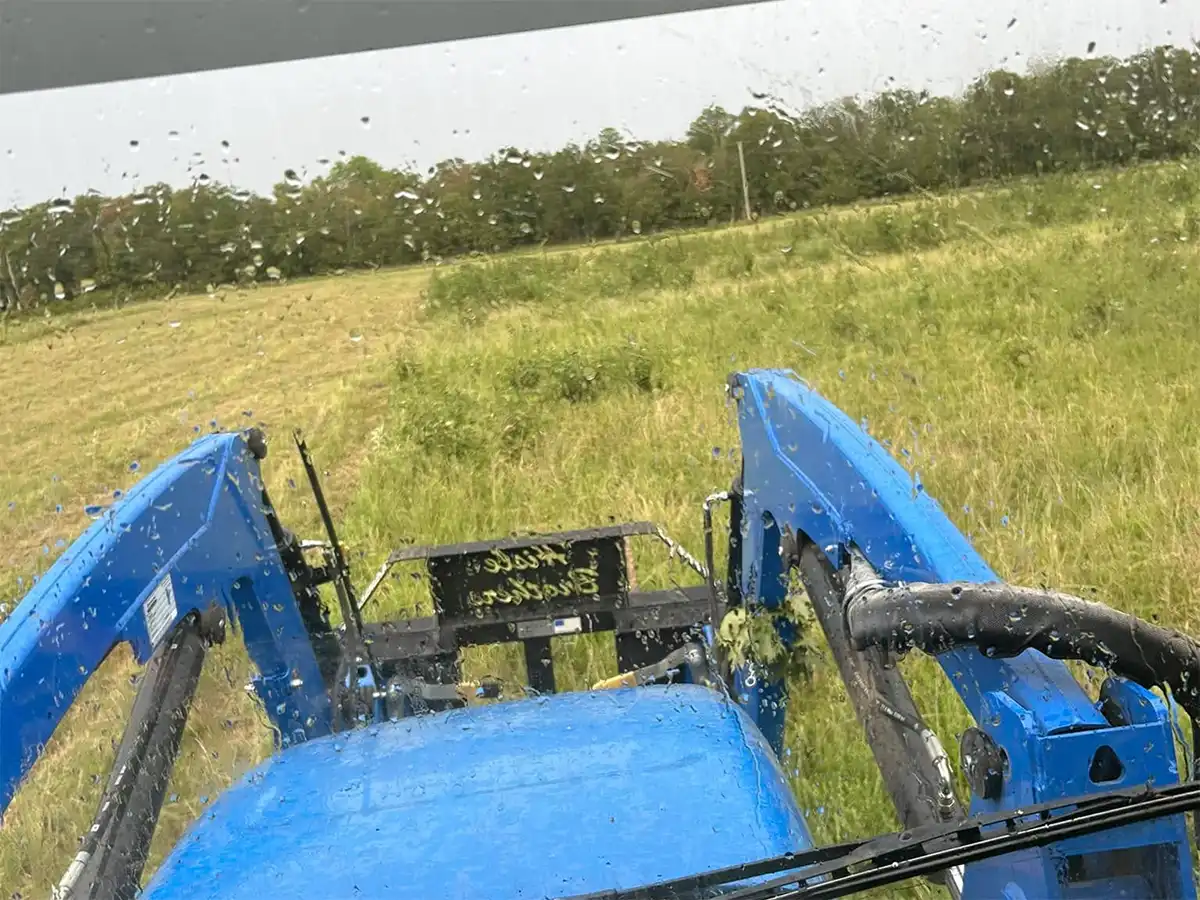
(549, 628)
(160, 610)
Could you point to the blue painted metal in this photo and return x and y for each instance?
(809, 467)
(191, 534)
(535, 798)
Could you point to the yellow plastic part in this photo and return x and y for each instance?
(629, 679)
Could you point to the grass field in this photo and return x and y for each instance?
(1033, 351)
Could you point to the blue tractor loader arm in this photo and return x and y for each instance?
(886, 571)
(193, 545)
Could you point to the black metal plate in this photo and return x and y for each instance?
(482, 583)
(649, 611)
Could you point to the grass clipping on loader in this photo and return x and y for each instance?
(777, 640)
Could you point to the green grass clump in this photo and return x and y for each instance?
(477, 286)
(581, 375)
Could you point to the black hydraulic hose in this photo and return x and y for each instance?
(1003, 620)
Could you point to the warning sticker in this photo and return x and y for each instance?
(160, 610)
(549, 627)
(570, 625)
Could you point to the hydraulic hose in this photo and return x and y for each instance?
(1003, 620)
(113, 853)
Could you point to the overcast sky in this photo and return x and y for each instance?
(648, 77)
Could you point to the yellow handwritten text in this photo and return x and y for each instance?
(581, 582)
(499, 561)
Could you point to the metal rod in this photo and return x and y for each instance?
(354, 645)
(341, 568)
(375, 583)
(715, 597)
(677, 549)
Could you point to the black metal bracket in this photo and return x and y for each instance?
(531, 589)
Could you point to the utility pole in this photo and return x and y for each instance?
(745, 187)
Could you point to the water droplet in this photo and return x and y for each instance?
(134, 466)
(93, 510)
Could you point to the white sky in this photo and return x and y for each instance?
(648, 77)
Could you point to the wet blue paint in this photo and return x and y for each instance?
(534, 798)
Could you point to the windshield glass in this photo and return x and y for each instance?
(499, 282)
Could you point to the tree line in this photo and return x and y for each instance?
(1073, 114)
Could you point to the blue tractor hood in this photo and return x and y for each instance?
(530, 799)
